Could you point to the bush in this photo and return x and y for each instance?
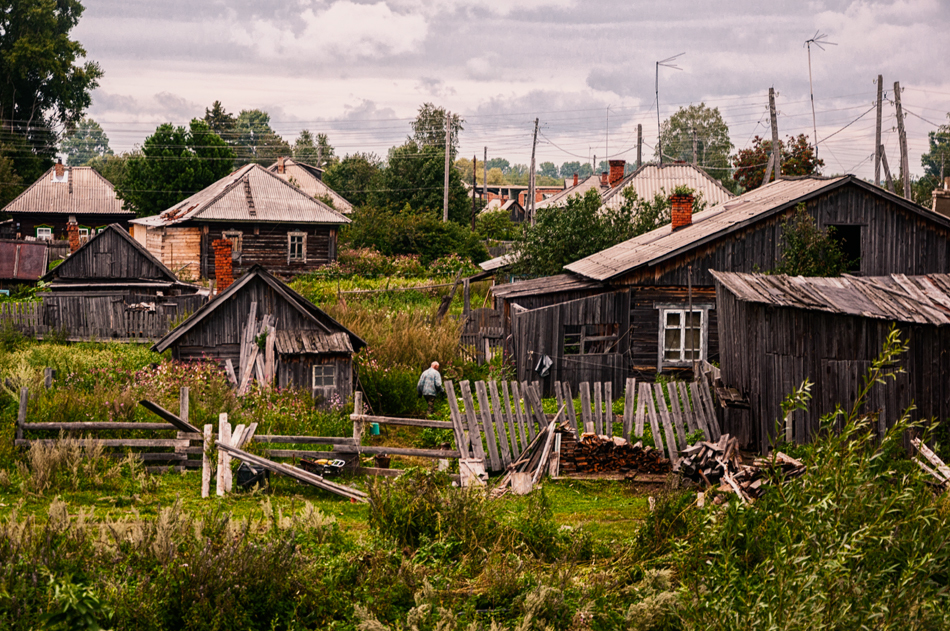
(496, 225)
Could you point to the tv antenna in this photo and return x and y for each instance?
(666, 63)
(819, 40)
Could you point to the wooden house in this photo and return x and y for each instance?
(673, 319)
(309, 179)
(65, 195)
(268, 221)
(651, 180)
(777, 331)
(314, 352)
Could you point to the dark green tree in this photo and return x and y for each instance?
(354, 177)
(113, 167)
(315, 151)
(568, 169)
(11, 184)
(807, 250)
(798, 158)
(548, 169)
(175, 163)
(428, 128)
(45, 84)
(499, 163)
(255, 141)
(86, 142)
(415, 176)
(711, 134)
(936, 163)
(220, 121)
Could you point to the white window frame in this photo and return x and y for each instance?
(236, 237)
(303, 247)
(83, 235)
(326, 371)
(682, 309)
(44, 234)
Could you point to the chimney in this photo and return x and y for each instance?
(72, 234)
(60, 169)
(682, 212)
(280, 164)
(616, 171)
(223, 272)
(941, 199)
(575, 179)
(604, 181)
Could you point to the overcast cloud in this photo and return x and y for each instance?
(359, 69)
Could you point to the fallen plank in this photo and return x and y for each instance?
(168, 416)
(114, 442)
(90, 426)
(303, 440)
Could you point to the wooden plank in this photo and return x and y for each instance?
(21, 412)
(304, 440)
(699, 412)
(569, 401)
(711, 420)
(97, 426)
(677, 414)
(398, 451)
(558, 399)
(499, 423)
(475, 436)
(510, 420)
(461, 438)
(229, 370)
(665, 419)
(528, 415)
(224, 431)
(630, 397)
(206, 461)
(534, 394)
(270, 358)
(519, 414)
(115, 442)
(585, 408)
(487, 425)
(641, 413)
(688, 415)
(647, 391)
(168, 416)
(608, 408)
(598, 409)
(409, 422)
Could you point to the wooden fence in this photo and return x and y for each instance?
(482, 334)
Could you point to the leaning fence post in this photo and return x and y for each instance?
(183, 415)
(224, 461)
(357, 418)
(206, 462)
(21, 414)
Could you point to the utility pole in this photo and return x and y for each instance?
(877, 133)
(694, 147)
(485, 168)
(776, 147)
(474, 184)
(887, 171)
(607, 137)
(448, 158)
(534, 144)
(902, 134)
(639, 144)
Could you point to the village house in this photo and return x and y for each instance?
(313, 351)
(267, 221)
(777, 331)
(65, 197)
(309, 179)
(651, 180)
(672, 319)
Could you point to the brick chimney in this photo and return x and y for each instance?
(280, 164)
(604, 179)
(941, 199)
(60, 169)
(72, 234)
(223, 272)
(616, 172)
(575, 179)
(682, 212)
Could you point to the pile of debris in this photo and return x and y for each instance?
(940, 471)
(594, 454)
(712, 463)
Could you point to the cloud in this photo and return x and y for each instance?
(367, 110)
(435, 87)
(163, 106)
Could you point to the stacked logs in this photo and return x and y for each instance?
(720, 463)
(595, 454)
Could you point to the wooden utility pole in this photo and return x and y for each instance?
(474, 185)
(887, 171)
(534, 144)
(639, 145)
(776, 148)
(694, 147)
(902, 135)
(877, 133)
(485, 169)
(448, 161)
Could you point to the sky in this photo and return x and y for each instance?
(358, 70)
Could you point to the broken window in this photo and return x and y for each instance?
(297, 247)
(589, 339)
(682, 335)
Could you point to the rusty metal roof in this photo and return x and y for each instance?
(252, 193)
(308, 178)
(22, 260)
(82, 191)
(900, 298)
(714, 222)
(544, 285)
(311, 342)
(660, 179)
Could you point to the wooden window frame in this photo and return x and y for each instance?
(326, 371)
(49, 229)
(303, 247)
(664, 309)
(236, 237)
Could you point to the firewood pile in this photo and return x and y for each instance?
(596, 454)
(720, 463)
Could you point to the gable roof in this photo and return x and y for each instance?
(723, 219)
(592, 182)
(309, 179)
(544, 285)
(306, 308)
(252, 193)
(137, 264)
(660, 179)
(914, 299)
(82, 192)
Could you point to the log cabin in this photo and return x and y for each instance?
(309, 179)
(268, 221)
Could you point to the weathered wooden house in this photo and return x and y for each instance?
(672, 319)
(777, 331)
(268, 221)
(65, 195)
(309, 179)
(314, 352)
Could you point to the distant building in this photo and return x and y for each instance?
(661, 179)
(309, 179)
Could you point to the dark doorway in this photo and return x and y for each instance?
(849, 238)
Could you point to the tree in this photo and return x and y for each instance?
(416, 177)
(807, 250)
(11, 184)
(798, 158)
(175, 163)
(354, 177)
(936, 163)
(548, 169)
(465, 168)
(499, 163)
(220, 121)
(712, 140)
(255, 141)
(87, 141)
(114, 168)
(314, 151)
(428, 128)
(45, 85)
(496, 176)
(568, 169)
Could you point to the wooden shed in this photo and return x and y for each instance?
(314, 352)
(776, 331)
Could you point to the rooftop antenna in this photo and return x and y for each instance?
(818, 40)
(666, 63)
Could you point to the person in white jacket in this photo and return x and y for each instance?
(430, 384)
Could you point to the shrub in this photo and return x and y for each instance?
(807, 250)
(67, 463)
(496, 225)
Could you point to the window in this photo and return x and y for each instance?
(236, 238)
(682, 335)
(296, 247)
(590, 339)
(83, 235)
(849, 238)
(324, 379)
(45, 234)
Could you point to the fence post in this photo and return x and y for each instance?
(206, 462)
(48, 377)
(183, 415)
(21, 414)
(224, 461)
(358, 418)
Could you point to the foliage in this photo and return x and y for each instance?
(712, 139)
(219, 120)
(394, 231)
(86, 142)
(45, 82)
(496, 225)
(798, 158)
(315, 152)
(936, 161)
(428, 128)
(807, 250)
(354, 176)
(253, 139)
(74, 605)
(548, 169)
(369, 263)
(114, 168)
(11, 184)
(175, 163)
(584, 171)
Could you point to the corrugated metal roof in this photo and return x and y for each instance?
(252, 193)
(915, 299)
(22, 260)
(311, 342)
(544, 285)
(593, 182)
(82, 192)
(497, 263)
(307, 178)
(654, 179)
(720, 219)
